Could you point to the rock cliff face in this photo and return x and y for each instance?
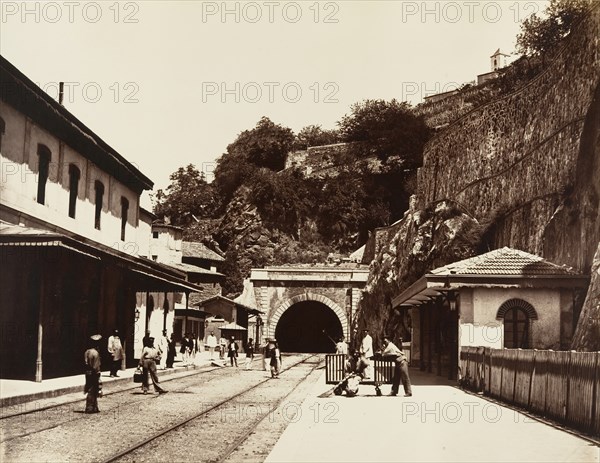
(522, 171)
(252, 243)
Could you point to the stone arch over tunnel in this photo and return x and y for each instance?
(299, 322)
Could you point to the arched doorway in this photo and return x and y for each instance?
(307, 326)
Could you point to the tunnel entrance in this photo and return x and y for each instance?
(304, 328)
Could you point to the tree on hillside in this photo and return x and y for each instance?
(188, 196)
(542, 35)
(284, 199)
(314, 135)
(386, 129)
(341, 206)
(266, 145)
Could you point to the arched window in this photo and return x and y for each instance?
(99, 196)
(74, 176)
(517, 315)
(44, 157)
(2, 130)
(124, 212)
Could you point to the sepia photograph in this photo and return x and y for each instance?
(300, 231)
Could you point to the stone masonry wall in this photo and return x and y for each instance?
(518, 155)
(521, 171)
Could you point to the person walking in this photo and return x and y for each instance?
(185, 349)
(275, 359)
(115, 348)
(211, 342)
(249, 354)
(171, 351)
(232, 352)
(266, 349)
(163, 347)
(222, 347)
(193, 348)
(366, 350)
(148, 364)
(391, 352)
(92, 387)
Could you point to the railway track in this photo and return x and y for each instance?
(164, 437)
(195, 405)
(55, 415)
(163, 379)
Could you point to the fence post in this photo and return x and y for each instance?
(516, 368)
(594, 425)
(532, 378)
(569, 363)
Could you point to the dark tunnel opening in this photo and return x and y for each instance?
(307, 327)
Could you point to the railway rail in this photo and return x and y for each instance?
(51, 414)
(239, 439)
(162, 425)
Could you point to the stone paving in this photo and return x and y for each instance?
(439, 422)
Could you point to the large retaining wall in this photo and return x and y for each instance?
(517, 156)
(521, 171)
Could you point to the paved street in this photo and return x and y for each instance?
(439, 423)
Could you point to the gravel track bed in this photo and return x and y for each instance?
(49, 415)
(128, 418)
(257, 446)
(221, 430)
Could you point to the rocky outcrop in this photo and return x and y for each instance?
(521, 171)
(587, 335)
(249, 242)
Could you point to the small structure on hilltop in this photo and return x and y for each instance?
(498, 61)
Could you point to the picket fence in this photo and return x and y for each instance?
(559, 385)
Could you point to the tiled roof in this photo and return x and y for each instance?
(189, 268)
(233, 326)
(200, 251)
(505, 261)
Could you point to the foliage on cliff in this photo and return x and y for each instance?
(541, 35)
(262, 214)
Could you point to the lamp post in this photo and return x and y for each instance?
(259, 324)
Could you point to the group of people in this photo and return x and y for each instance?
(149, 358)
(359, 365)
(232, 349)
(190, 346)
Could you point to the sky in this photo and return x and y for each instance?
(169, 84)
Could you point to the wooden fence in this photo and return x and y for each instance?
(560, 385)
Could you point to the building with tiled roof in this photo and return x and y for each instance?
(74, 239)
(505, 261)
(199, 251)
(506, 298)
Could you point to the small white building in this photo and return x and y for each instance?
(501, 299)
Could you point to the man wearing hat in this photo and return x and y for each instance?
(92, 375)
(115, 348)
(233, 351)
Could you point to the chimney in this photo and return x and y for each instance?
(61, 91)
